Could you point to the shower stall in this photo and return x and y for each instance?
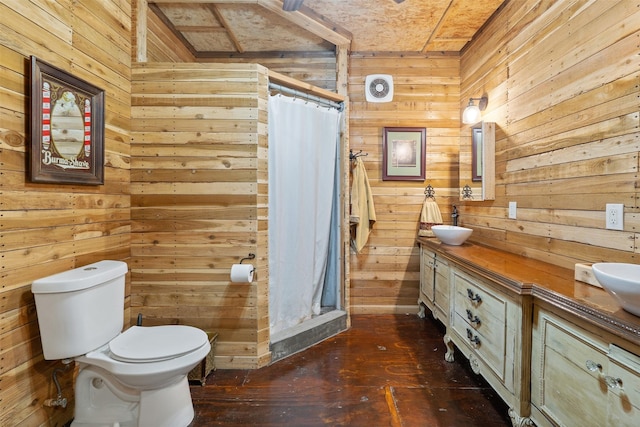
(304, 220)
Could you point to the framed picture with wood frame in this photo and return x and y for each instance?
(404, 154)
(67, 127)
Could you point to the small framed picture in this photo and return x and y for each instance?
(67, 127)
(403, 154)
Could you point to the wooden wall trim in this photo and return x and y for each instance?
(140, 30)
(292, 83)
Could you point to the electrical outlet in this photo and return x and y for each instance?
(512, 210)
(615, 216)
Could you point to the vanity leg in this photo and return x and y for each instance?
(448, 356)
(519, 421)
(421, 310)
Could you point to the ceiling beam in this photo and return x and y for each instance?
(435, 31)
(302, 18)
(156, 9)
(304, 21)
(234, 40)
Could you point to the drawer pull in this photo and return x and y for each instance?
(613, 382)
(473, 339)
(473, 297)
(475, 320)
(593, 366)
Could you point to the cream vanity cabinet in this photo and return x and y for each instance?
(582, 376)
(488, 326)
(434, 285)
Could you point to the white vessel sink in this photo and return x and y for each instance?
(622, 282)
(451, 234)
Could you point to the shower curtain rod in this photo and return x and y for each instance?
(296, 93)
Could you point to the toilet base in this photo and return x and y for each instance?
(103, 402)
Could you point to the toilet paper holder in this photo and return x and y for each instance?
(243, 272)
(251, 256)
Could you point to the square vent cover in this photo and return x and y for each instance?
(379, 88)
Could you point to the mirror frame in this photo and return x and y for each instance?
(483, 167)
(476, 153)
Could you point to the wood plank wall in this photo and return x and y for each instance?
(49, 228)
(199, 202)
(563, 79)
(385, 276)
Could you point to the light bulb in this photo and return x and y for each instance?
(471, 114)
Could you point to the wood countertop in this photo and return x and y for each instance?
(546, 282)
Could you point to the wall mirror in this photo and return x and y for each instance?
(477, 163)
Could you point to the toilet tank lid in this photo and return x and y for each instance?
(80, 278)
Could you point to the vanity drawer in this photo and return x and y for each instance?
(473, 301)
(489, 344)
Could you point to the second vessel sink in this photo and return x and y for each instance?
(622, 282)
(451, 234)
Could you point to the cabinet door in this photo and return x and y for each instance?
(442, 288)
(567, 378)
(580, 378)
(427, 278)
(623, 380)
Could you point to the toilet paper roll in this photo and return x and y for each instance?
(242, 273)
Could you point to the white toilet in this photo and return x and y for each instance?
(135, 378)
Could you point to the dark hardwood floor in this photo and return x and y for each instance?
(386, 370)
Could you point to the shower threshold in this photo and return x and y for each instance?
(307, 334)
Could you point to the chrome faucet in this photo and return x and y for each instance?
(455, 215)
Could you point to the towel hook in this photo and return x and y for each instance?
(251, 256)
(467, 192)
(430, 192)
(353, 156)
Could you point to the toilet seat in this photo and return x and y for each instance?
(140, 344)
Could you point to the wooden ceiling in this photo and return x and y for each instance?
(211, 28)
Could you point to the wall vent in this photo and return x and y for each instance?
(379, 88)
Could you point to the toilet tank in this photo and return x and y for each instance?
(81, 309)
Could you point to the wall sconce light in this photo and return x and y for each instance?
(472, 114)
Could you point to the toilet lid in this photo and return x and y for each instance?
(156, 343)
